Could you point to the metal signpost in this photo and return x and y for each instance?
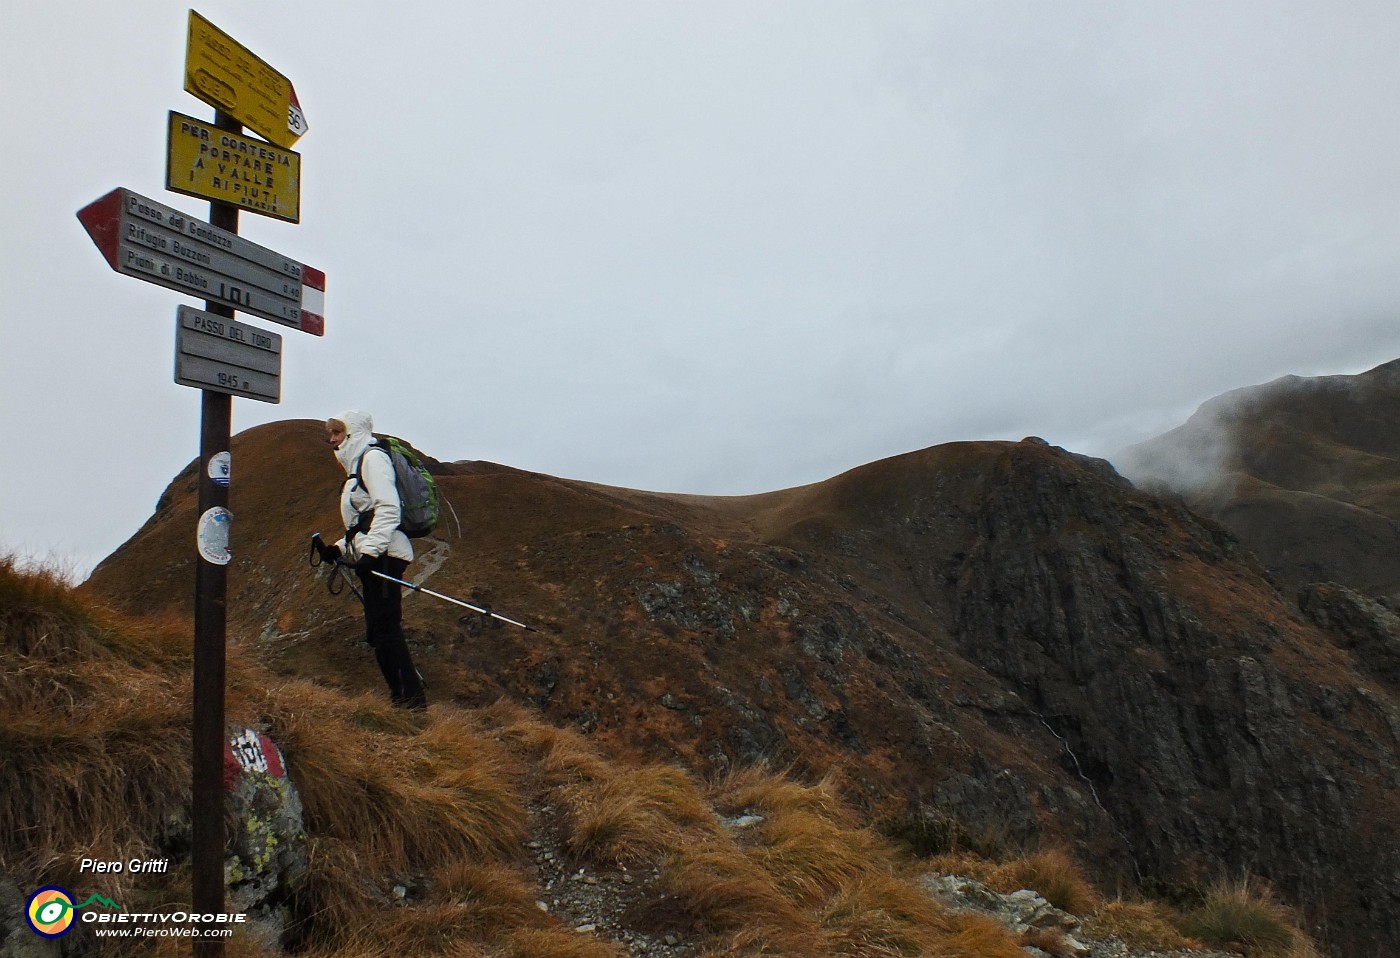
(213, 353)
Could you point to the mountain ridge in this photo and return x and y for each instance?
(1008, 634)
(1305, 470)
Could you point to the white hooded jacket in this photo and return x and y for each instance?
(375, 489)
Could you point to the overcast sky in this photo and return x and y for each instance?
(711, 247)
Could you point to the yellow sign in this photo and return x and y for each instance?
(203, 160)
(225, 74)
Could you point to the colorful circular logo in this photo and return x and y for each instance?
(50, 911)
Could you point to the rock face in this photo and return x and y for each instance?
(1004, 633)
(1218, 726)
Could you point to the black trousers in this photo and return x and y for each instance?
(384, 633)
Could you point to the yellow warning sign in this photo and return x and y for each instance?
(229, 77)
(203, 160)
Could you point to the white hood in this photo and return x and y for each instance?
(359, 432)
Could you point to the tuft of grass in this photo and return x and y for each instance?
(923, 833)
(487, 897)
(926, 832)
(974, 936)
(416, 797)
(560, 756)
(724, 893)
(809, 881)
(339, 893)
(635, 815)
(880, 915)
(757, 790)
(811, 858)
(1246, 915)
(1054, 875)
(967, 865)
(1144, 925)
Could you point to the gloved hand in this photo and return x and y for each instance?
(365, 564)
(327, 553)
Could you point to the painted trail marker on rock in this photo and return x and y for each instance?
(159, 244)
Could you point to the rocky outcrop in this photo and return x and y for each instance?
(1031, 918)
(1365, 627)
(1220, 732)
(266, 861)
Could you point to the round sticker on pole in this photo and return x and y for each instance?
(213, 535)
(221, 468)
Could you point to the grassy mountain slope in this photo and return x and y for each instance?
(1001, 635)
(94, 728)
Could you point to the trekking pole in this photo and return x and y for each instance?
(336, 572)
(448, 598)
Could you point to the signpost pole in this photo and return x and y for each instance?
(211, 589)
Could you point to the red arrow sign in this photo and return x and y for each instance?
(159, 244)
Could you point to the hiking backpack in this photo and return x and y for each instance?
(418, 492)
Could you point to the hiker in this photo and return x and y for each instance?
(369, 510)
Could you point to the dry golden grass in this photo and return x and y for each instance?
(1148, 925)
(488, 897)
(760, 791)
(1052, 941)
(880, 915)
(721, 891)
(968, 866)
(808, 881)
(94, 714)
(556, 942)
(420, 797)
(1053, 874)
(92, 728)
(634, 815)
(340, 892)
(812, 859)
(559, 756)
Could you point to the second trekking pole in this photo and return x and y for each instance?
(448, 598)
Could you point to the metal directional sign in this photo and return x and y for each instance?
(228, 76)
(151, 241)
(203, 160)
(212, 352)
